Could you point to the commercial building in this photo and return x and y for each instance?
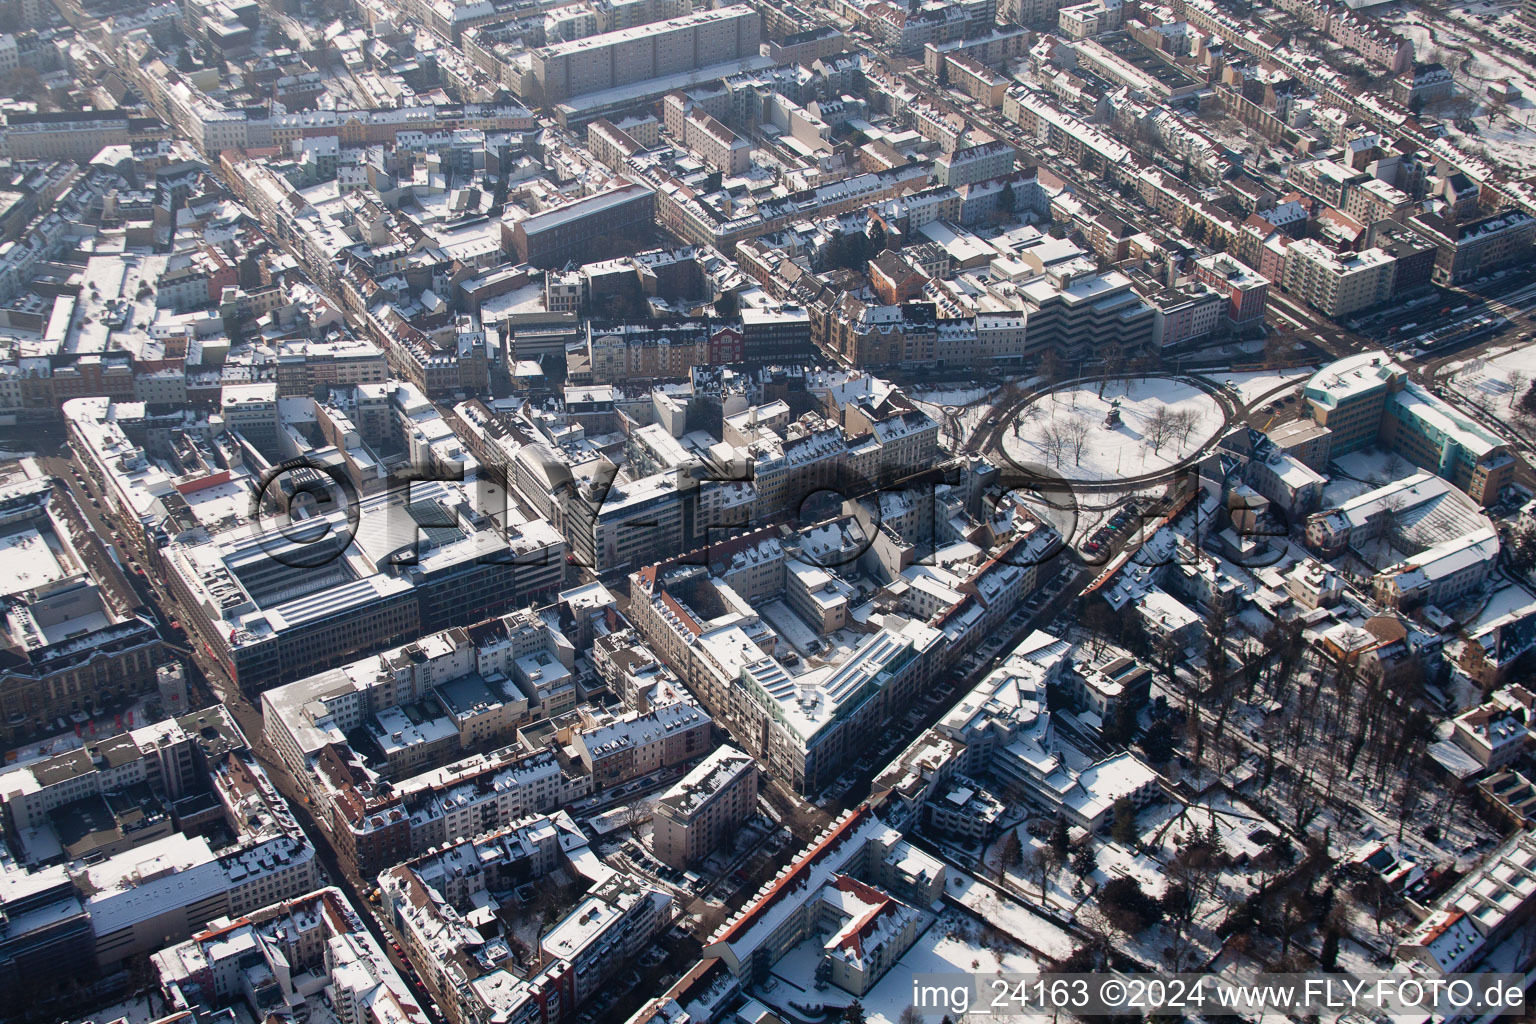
(776, 336)
(1441, 575)
(1002, 732)
(46, 925)
(67, 650)
(1366, 399)
(110, 808)
(632, 55)
(1082, 314)
(584, 229)
(473, 685)
(1422, 509)
(705, 808)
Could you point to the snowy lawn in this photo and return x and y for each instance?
(1068, 430)
(1013, 917)
(1496, 380)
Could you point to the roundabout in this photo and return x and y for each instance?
(1113, 433)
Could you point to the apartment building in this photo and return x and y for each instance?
(1338, 284)
(1246, 291)
(703, 810)
(857, 856)
(1467, 249)
(978, 81)
(618, 919)
(1423, 84)
(1185, 314)
(281, 953)
(614, 750)
(717, 145)
(970, 164)
(1470, 920)
(428, 901)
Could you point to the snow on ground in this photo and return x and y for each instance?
(1498, 378)
(1451, 37)
(956, 420)
(1116, 861)
(1512, 598)
(1110, 453)
(1253, 385)
(954, 944)
(1008, 915)
(1371, 466)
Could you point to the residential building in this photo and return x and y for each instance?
(705, 808)
(1336, 284)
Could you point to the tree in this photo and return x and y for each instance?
(1013, 850)
(1157, 744)
(727, 305)
(943, 74)
(1006, 201)
(1060, 840)
(1074, 432)
(1053, 444)
(854, 1013)
(1329, 957)
(1183, 424)
(1127, 906)
(1520, 552)
(1038, 864)
(1123, 830)
(1516, 381)
(911, 1015)
(1121, 727)
(877, 237)
(1084, 863)
(1050, 370)
(1528, 401)
(1159, 429)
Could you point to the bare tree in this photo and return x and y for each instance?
(1037, 864)
(1516, 381)
(1075, 437)
(1159, 428)
(1053, 444)
(1183, 424)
